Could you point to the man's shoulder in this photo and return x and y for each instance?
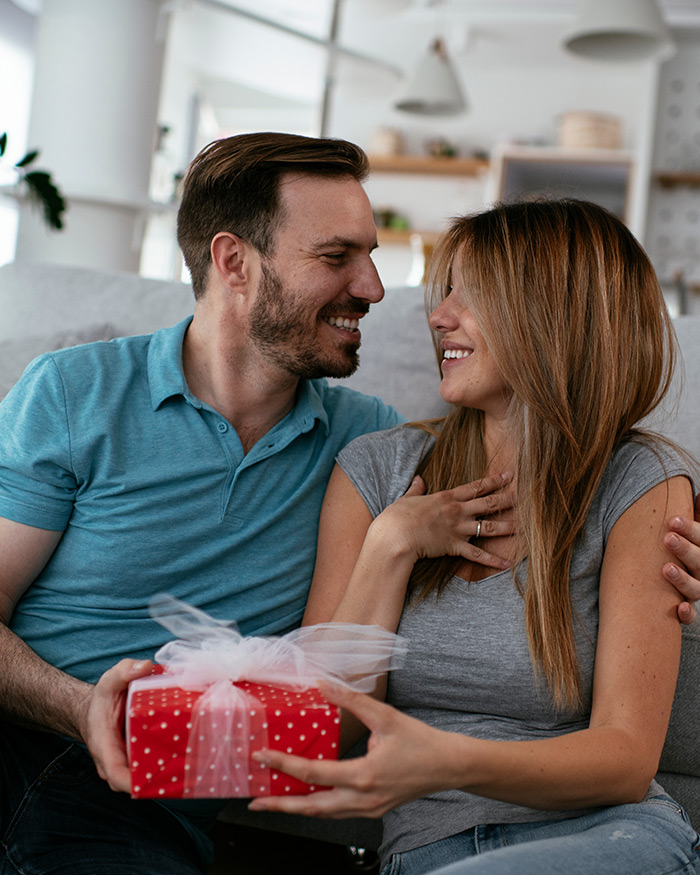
(87, 360)
(348, 408)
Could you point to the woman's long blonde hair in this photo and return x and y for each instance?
(573, 315)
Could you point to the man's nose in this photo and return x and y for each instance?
(367, 285)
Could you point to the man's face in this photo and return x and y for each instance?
(320, 280)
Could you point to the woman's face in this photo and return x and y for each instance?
(470, 376)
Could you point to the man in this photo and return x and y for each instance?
(683, 540)
(192, 461)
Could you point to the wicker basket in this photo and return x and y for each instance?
(590, 130)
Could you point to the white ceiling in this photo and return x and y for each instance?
(313, 16)
(488, 32)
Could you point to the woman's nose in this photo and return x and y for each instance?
(443, 318)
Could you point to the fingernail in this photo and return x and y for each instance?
(672, 572)
(676, 522)
(506, 475)
(138, 666)
(673, 542)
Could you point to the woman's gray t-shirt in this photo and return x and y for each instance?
(468, 668)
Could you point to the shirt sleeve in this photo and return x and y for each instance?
(381, 465)
(636, 467)
(37, 483)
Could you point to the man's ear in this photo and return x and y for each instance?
(233, 259)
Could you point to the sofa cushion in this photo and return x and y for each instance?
(15, 355)
(678, 416)
(45, 299)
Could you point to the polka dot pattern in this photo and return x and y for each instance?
(163, 754)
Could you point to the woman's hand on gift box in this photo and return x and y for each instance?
(406, 759)
(102, 727)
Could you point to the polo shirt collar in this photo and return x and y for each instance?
(309, 405)
(166, 378)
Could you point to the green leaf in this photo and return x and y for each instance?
(28, 158)
(44, 193)
(3, 143)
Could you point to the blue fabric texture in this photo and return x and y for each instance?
(154, 494)
(648, 839)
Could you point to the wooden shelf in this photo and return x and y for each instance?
(427, 165)
(672, 178)
(390, 237)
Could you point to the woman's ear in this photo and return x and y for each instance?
(232, 259)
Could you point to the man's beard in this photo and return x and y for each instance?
(288, 336)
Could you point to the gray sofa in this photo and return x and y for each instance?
(46, 307)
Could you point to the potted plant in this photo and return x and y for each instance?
(38, 186)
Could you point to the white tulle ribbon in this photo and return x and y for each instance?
(210, 655)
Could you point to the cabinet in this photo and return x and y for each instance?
(603, 176)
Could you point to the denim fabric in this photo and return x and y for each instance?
(58, 817)
(651, 838)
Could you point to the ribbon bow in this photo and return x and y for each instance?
(210, 655)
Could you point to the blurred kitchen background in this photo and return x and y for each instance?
(597, 99)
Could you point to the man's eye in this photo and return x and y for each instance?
(334, 256)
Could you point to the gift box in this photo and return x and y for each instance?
(168, 760)
(217, 697)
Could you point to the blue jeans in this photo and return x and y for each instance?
(651, 838)
(58, 816)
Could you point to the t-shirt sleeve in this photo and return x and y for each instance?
(381, 466)
(637, 467)
(37, 483)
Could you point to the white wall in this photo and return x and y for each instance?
(16, 65)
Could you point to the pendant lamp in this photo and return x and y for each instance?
(433, 89)
(619, 30)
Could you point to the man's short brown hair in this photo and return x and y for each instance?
(233, 185)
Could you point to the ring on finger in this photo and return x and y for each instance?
(478, 528)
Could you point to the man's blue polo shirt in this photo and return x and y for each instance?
(154, 494)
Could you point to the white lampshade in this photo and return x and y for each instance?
(433, 89)
(619, 30)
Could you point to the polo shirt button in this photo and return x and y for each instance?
(222, 426)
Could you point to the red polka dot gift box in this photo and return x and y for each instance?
(217, 697)
(177, 750)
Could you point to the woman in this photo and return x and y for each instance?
(530, 716)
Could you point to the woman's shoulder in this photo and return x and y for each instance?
(381, 465)
(649, 457)
(402, 440)
(639, 463)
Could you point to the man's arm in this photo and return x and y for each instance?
(32, 692)
(683, 540)
(35, 693)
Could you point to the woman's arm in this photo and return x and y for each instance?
(342, 527)
(613, 761)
